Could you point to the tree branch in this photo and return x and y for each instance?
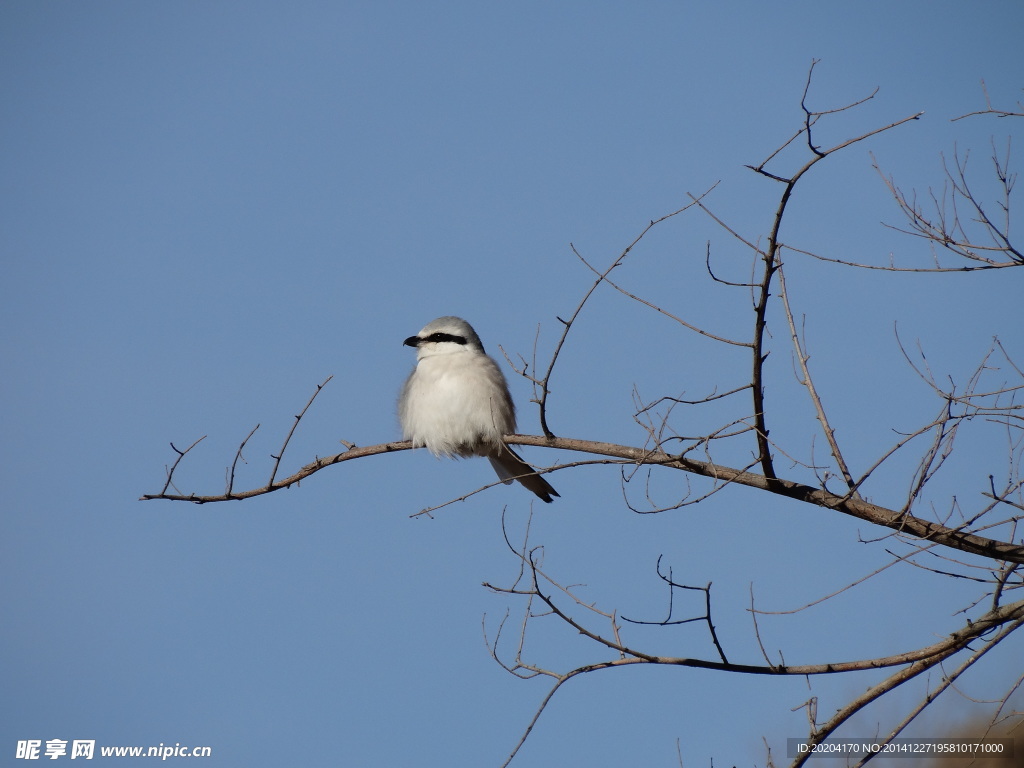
(863, 510)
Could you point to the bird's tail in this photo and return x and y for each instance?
(510, 467)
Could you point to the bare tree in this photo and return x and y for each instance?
(971, 534)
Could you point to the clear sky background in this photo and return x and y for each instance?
(207, 208)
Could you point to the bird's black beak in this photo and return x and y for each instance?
(412, 341)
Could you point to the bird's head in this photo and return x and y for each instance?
(445, 336)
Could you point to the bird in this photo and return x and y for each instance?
(456, 402)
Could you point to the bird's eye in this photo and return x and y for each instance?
(439, 336)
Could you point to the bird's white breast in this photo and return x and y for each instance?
(456, 405)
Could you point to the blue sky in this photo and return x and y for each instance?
(206, 209)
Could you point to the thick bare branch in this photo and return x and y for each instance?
(863, 510)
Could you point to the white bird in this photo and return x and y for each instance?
(456, 402)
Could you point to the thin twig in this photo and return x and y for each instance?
(298, 418)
